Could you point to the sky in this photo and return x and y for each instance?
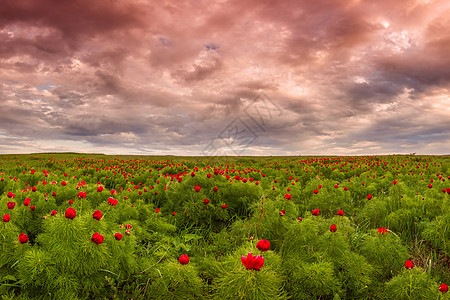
(225, 77)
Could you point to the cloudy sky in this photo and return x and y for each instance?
(253, 77)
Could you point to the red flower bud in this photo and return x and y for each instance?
(184, 259)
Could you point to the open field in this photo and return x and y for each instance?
(92, 226)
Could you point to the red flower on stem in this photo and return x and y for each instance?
(97, 238)
(333, 228)
(23, 238)
(70, 213)
(252, 262)
(369, 197)
(443, 288)
(6, 218)
(184, 259)
(409, 264)
(97, 215)
(340, 213)
(118, 236)
(382, 230)
(263, 245)
(11, 204)
(316, 212)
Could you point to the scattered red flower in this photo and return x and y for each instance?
(97, 238)
(70, 213)
(97, 215)
(263, 245)
(184, 259)
(252, 262)
(23, 238)
(316, 212)
(409, 264)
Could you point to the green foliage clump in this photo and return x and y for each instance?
(411, 284)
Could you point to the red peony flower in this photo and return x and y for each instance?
(97, 215)
(63, 183)
(206, 201)
(316, 191)
(100, 189)
(382, 230)
(288, 196)
(173, 214)
(128, 226)
(316, 212)
(118, 236)
(82, 195)
(26, 202)
(11, 204)
(430, 186)
(224, 206)
(197, 188)
(394, 182)
(97, 238)
(340, 212)
(70, 213)
(23, 238)
(369, 197)
(6, 218)
(216, 189)
(263, 245)
(112, 201)
(345, 188)
(300, 219)
(409, 264)
(282, 213)
(157, 210)
(252, 262)
(443, 288)
(184, 259)
(10, 195)
(32, 207)
(333, 228)
(70, 202)
(53, 213)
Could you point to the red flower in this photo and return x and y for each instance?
(128, 226)
(63, 183)
(184, 259)
(382, 230)
(206, 201)
(300, 219)
(316, 191)
(394, 182)
(430, 186)
(443, 288)
(97, 238)
(263, 245)
(216, 189)
(97, 215)
(224, 206)
(70, 213)
(32, 207)
(26, 202)
(53, 213)
(345, 188)
(6, 218)
(112, 201)
(10, 195)
(282, 213)
(340, 212)
(333, 228)
(100, 189)
(288, 196)
(82, 195)
(197, 188)
(173, 214)
(118, 236)
(409, 264)
(252, 262)
(157, 210)
(316, 212)
(369, 197)
(23, 238)
(11, 204)
(70, 202)
(448, 190)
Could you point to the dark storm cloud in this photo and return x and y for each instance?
(345, 76)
